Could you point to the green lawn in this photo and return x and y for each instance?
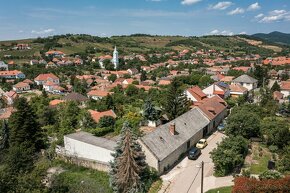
(80, 179)
(261, 166)
(156, 186)
(227, 189)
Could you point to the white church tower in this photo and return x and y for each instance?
(115, 59)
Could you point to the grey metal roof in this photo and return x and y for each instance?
(93, 140)
(162, 143)
(245, 79)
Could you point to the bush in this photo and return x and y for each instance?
(229, 155)
(102, 131)
(246, 185)
(270, 174)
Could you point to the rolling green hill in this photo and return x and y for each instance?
(137, 43)
(275, 37)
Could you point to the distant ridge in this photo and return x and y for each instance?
(275, 37)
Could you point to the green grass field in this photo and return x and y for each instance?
(227, 189)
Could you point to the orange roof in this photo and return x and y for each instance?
(6, 113)
(98, 115)
(164, 82)
(212, 106)
(11, 94)
(28, 81)
(49, 83)
(285, 85)
(55, 102)
(21, 85)
(54, 52)
(237, 88)
(197, 93)
(98, 93)
(10, 73)
(45, 77)
(129, 80)
(277, 95)
(242, 68)
(227, 78)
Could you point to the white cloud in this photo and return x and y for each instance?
(275, 16)
(236, 11)
(243, 33)
(40, 32)
(20, 31)
(254, 6)
(218, 32)
(259, 15)
(221, 5)
(189, 2)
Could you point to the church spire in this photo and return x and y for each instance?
(115, 59)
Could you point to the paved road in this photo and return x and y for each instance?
(186, 176)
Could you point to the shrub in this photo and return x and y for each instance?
(270, 174)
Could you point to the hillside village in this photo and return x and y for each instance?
(82, 99)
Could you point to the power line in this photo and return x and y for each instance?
(193, 180)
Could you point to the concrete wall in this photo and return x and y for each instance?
(87, 151)
(151, 160)
(170, 161)
(190, 97)
(285, 93)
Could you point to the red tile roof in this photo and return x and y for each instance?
(212, 106)
(197, 93)
(285, 85)
(44, 77)
(98, 93)
(98, 115)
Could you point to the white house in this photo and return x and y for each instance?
(83, 145)
(3, 65)
(220, 89)
(237, 90)
(44, 78)
(21, 87)
(195, 94)
(285, 88)
(12, 74)
(246, 81)
(97, 94)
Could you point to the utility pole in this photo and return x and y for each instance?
(201, 187)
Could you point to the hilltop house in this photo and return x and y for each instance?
(3, 66)
(97, 94)
(54, 53)
(21, 87)
(44, 78)
(246, 81)
(12, 74)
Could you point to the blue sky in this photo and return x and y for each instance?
(33, 18)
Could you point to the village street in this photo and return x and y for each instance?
(186, 176)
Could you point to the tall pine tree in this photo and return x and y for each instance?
(4, 138)
(128, 167)
(24, 128)
(175, 103)
(149, 112)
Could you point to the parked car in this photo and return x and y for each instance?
(201, 144)
(221, 127)
(194, 153)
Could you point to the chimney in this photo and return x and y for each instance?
(172, 128)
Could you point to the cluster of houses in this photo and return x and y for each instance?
(163, 145)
